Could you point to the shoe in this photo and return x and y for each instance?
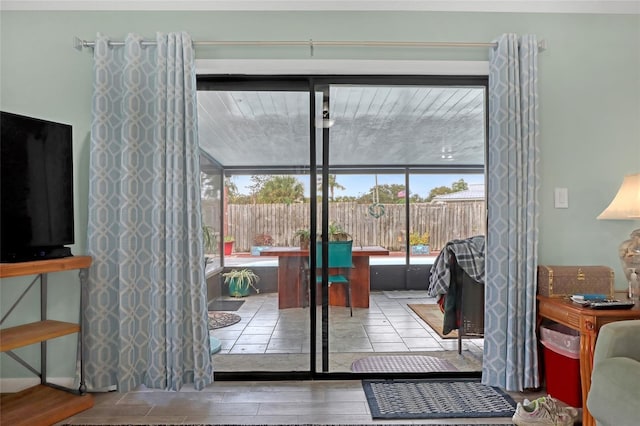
(543, 411)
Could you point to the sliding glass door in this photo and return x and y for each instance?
(394, 166)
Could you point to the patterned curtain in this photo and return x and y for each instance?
(145, 320)
(510, 358)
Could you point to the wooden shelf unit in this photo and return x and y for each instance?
(35, 332)
(41, 405)
(44, 404)
(20, 269)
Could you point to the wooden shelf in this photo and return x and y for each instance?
(35, 332)
(41, 405)
(43, 266)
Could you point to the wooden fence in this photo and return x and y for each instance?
(443, 222)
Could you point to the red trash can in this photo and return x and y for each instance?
(562, 363)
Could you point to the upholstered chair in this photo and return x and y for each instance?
(614, 395)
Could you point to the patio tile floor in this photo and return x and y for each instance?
(272, 339)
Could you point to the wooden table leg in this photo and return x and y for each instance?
(587, 347)
(291, 292)
(360, 282)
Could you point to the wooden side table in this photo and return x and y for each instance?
(587, 321)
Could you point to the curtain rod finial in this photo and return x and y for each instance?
(78, 44)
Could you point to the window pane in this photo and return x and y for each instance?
(211, 199)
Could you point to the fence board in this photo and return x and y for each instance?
(443, 222)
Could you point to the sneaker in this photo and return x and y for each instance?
(543, 411)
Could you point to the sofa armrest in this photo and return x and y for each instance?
(618, 339)
(614, 394)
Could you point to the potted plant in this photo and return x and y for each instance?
(261, 242)
(337, 233)
(305, 236)
(419, 243)
(209, 241)
(228, 244)
(240, 280)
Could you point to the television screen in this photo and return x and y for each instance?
(36, 188)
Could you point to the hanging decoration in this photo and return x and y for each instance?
(376, 209)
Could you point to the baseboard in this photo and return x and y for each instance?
(8, 385)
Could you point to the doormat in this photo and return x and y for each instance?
(408, 294)
(435, 399)
(401, 364)
(432, 315)
(225, 305)
(222, 319)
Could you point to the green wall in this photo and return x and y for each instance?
(589, 84)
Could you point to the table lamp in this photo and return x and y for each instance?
(626, 206)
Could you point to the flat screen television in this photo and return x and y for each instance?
(36, 189)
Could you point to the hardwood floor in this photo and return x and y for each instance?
(250, 403)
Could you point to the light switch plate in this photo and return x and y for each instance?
(561, 198)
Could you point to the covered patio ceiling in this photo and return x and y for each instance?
(420, 126)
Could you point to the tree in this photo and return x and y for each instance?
(457, 186)
(257, 183)
(416, 198)
(281, 189)
(460, 185)
(332, 184)
(346, 199)
(209, 186)
(386, 194)
(231, 188)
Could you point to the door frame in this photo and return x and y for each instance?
(296, 82)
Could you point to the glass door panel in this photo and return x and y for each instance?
(373, 138)
(261, 140)
(444, 207)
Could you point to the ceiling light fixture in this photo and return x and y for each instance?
(447, 153)
(326, 121)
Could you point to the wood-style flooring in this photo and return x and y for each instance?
(250, 403)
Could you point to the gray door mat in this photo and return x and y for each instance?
(225, 305)
(401, 364)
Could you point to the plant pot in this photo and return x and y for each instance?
(339, 236)
(228, 247)
(420, 249)
(237, 291)
(304, 244)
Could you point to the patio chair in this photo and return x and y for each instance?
(464, 304)
(340, 257)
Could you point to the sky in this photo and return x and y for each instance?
(357, 185)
